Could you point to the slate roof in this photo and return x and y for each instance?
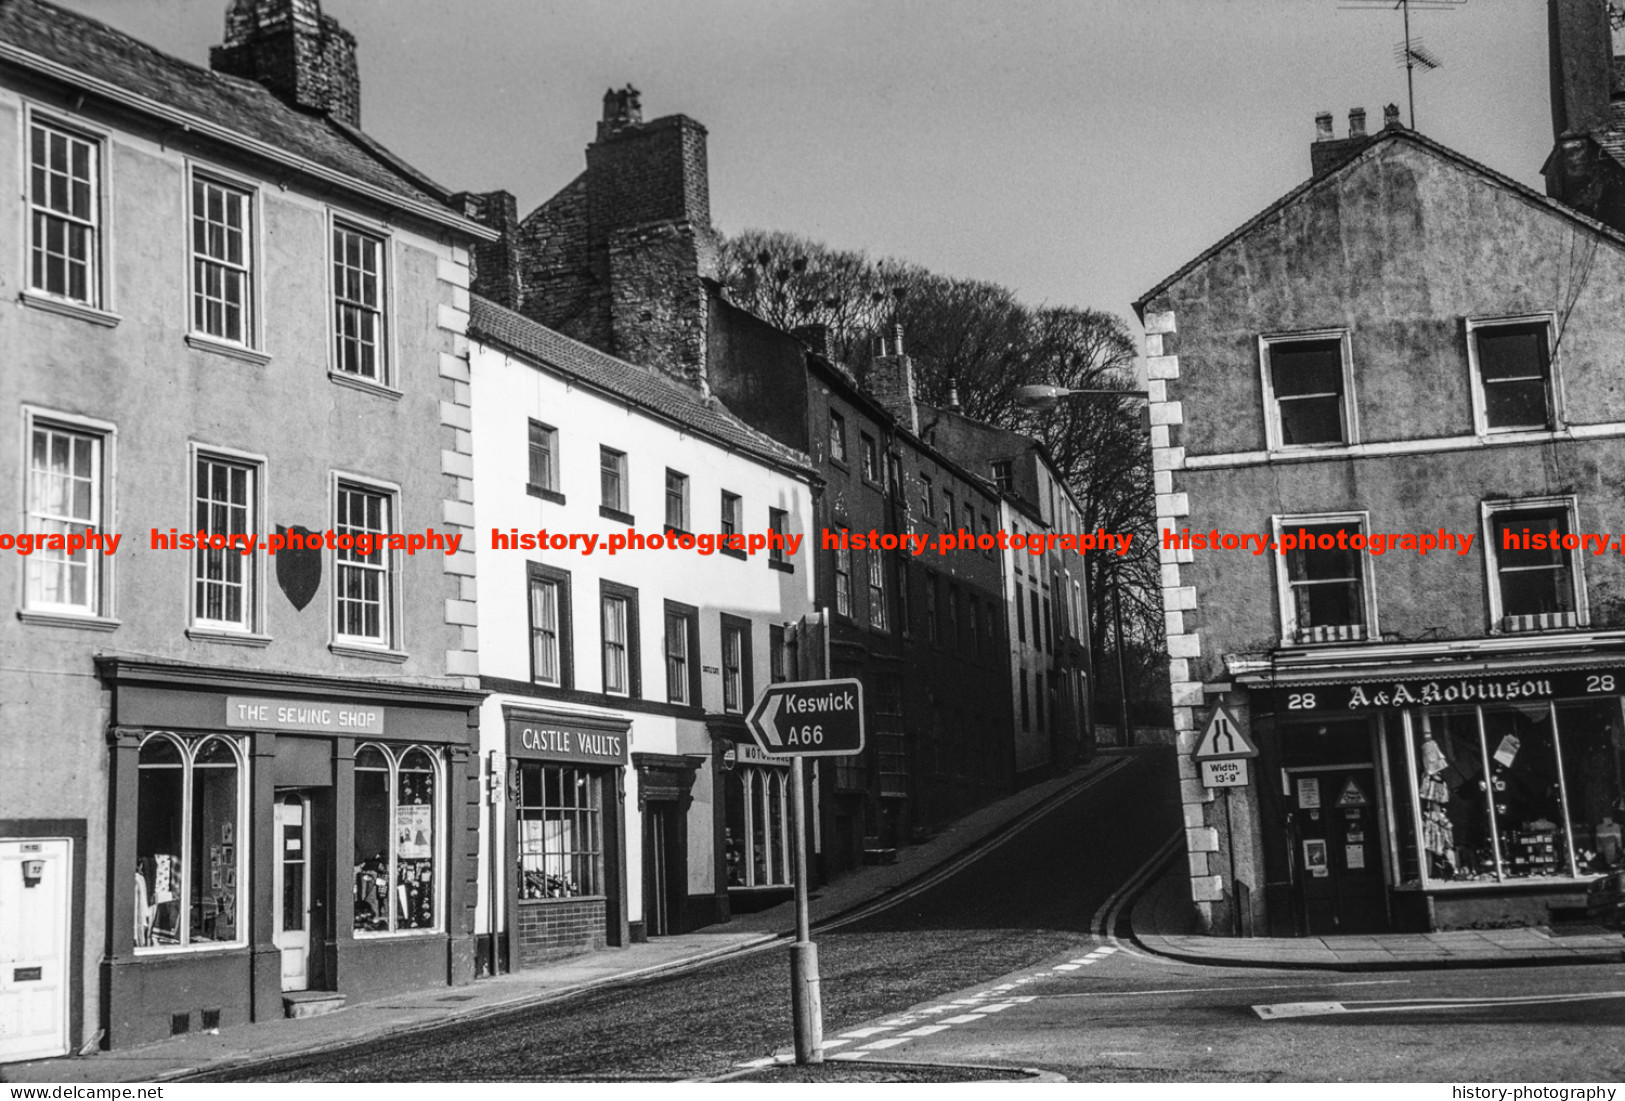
(95, 50)
(1381, 140)
(635, 385)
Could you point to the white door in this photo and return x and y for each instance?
(34, 922)
(291, 882)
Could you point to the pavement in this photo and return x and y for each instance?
(860, 891)
(1163, 921)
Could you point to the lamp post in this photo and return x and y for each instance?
(1045, 396)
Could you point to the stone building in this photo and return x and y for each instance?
(234, 782)
(1403, 374)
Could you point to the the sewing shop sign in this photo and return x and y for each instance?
(567, 738)
(1514, 688)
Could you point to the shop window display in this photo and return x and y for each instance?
(1593, 756)
(396, 850)
(189, 797)
(757, 841)
(1451, 797)
(560, 831)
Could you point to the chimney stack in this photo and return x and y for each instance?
(953, 405)
(300, 55)
(1580, 47)
(1327, 152)
(1357, 122)
(1323, 126)
(621, 109)
(1390, 117)
(891, 378)
(494, 265)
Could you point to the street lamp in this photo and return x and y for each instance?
(1045, 396)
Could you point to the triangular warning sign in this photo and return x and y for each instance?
(1352, 796)
(1223, 738)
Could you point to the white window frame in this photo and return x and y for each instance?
(100, 613)
(394, 753)
(387, 378)
(550, 448)
(1286, 607)
(391, 645)
(1488, 510)
(1272, 408)
(254, 607)
(680, 499)
(188, 747)
(1554, 386)
(98, 306)
(733, 667)
(622, 476)
(557, 629)
(624, 665)
(248, 348)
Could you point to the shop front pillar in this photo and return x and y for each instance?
(118, 1003)
(266, 966)
(342, 936)
(462, 854)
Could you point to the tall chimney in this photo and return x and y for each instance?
(494, 264)
(301, 56)
(1580, 48)
(891, 378)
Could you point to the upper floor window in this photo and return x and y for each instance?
(550, 641)
(736, 661)
(1307, 389)
(1003, 475)
(949, 507)
(682, 654)
(358, 304)
(364, 572)
(1512, 373)
(837, 436)
(676, 500)
(1326, 593)
(894, 475)
(224, 578)
(731, 508)
(843, 581)
(1535, 578)
(871, 459)
(222, 261)
(612, 479)
(777, 522)
(544, 458)
(877, 590)
(928, 498)
(64, 203)
(64, 496)
(777, 667)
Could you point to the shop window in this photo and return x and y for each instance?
(1325, 593)
(1512, 373)
(64, 494)
(736, 664)
(397, 852)
(364, 580)
(1535, 582)
(1519, 792)
(358, 304)
(1307, 387)
(756, 841)
(223, 578)
(64, 200)
(877, 590)
(843, 582)
(544, 459)
(561, 846)
(189, 864)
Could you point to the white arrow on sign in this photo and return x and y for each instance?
(764, 716)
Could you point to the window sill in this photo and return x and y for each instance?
(732, 553)
(385, 934)
(616, 514)
(79, 620)
(366, 386)
(782, 567)
(545, 494)
(69, 308)
(205, 343)
(161, 951)
(1531, 883)
(228, 636)
(372, 653)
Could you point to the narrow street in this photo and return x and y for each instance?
(1026, 900)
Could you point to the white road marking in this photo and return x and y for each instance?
(865, 1033)
(1210, 989)
(923, 1030)
(1067, 966)
(963, 1018)
(836, 1043)
(1411, 1005)
(881, 1045)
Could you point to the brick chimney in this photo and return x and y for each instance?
(1327, 151)
(891, 378)
(302, 56)
(494, 265)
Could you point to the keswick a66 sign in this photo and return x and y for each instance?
(809, 718)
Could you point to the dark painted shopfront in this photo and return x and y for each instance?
(566, 835)
(1439, 798)
(288, 835)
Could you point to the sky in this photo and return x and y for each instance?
(1076, 151)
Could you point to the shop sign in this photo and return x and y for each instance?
(752, 755)
(562, 739)
(253, 713)
(1230, 773)
(1442, 691)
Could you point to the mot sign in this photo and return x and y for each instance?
(809, 718)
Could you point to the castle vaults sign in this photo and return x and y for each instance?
(1447, 691)
(570, 738)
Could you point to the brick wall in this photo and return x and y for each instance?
(564, 284)
(554, 928)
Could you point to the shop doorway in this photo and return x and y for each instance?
(35, 900)
(290, 883)
(1336, 849)
(665, 868)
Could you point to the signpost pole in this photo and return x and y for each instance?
(806, 1003)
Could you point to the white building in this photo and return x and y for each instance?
(617, 807)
